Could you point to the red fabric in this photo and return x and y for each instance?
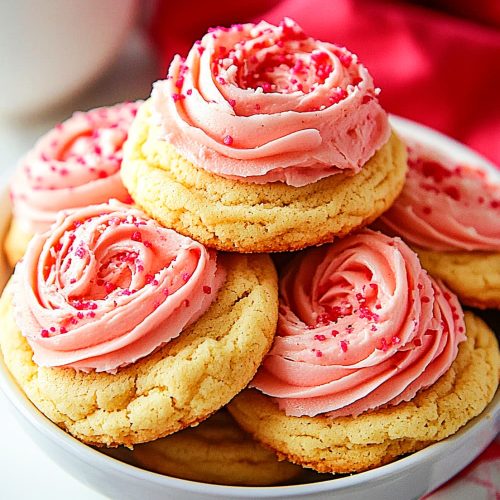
(436, 68)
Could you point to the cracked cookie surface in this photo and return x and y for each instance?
(473, 276)
(374, 438)
(217, 451)
(244, 217)
(176, 386)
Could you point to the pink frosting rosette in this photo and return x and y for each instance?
(107, 286)
(361, 325)
(445, 206)
(74, 165)
(264, 103)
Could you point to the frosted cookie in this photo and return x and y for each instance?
(450, 214)
(74, 165)
(123, 331)
(264, 140)
(217, 451)
(364, 366)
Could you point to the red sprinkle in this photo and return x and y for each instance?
(343, 345)
(136, 236)
(63, 330)
(44, 333)
(452, 192)
(383, 345)
(319, 354)
(186, 276)
(207, 289)
(427, 210)
(148, 244)
(335, 333)
(228, 140)
(319, 337)
(425, 299)
(417, 342)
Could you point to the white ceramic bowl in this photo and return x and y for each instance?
(407, 478)
(51, 50)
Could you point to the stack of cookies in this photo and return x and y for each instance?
(147, 302)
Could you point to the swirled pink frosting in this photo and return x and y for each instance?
(74, 165)
(361, 325)
(445, 206)
(107, 286)
(264, 103)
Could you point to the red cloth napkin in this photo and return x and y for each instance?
(435, 67)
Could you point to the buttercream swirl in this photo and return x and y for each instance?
(74, 165)
(107, 286)
(445, 206)
(265, 103)
(361, 325)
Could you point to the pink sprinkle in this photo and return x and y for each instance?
(396, 340)
(166, 292)
(63, 330)
(64, 171)
(80, 252)
(232, 103)
(52, 329)
(44, 333)
(186, 276)
(320, 337)
(207, 289)
(343, 345)
(149, 278)
(136, 236)
(91, 314)
(228, 140)
(319, 354)
(80, 315)
(179, 82)
(72, 281)
(373, 328)
(189, 91)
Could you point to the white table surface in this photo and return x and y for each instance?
(25, 472)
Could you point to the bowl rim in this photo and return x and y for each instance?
(489, 417)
